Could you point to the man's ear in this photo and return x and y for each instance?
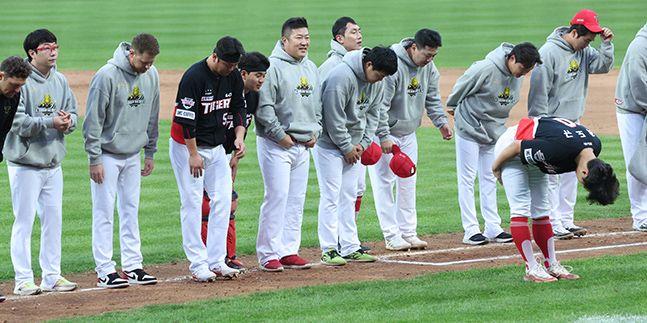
(1, 76)
(339, 39)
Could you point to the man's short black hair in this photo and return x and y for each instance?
(601, 182)
(36, 38)
(581, 30)
(254, 62)
(15, 66)
(526, 54)
(229, 49)
(339, 28)
(427, 37)
(291, 24)
(383, 59)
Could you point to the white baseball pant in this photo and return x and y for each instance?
(285, 177)
(36, 190)
(397, 215)
(216, 180)
(338, 190)
(630, 127)
(562, 195)
(122, 181)
(472, 157)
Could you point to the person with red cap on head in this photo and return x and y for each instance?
(558, 88)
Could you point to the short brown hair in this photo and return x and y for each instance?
(145, 43)
(15, 66)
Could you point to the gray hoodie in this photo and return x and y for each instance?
(631, 90)
(289, 100)
(348, 101)
(33, 141)
(558, 87)
(483, 96)
(407, 93)
(335, 56)
(122, 111)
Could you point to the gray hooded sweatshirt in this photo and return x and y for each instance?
(483, 96)
(122, 111)
(348, 101)
(33, 141)
(407, 93)
(335, 56)
(631, 90)
(558, 87)
(289, 100)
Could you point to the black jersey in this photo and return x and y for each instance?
(552, 144)
(208, 105)
(251, 101)
(9, 107)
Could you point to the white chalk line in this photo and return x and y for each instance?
(385, 258)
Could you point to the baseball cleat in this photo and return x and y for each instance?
(558, 271)
(397, 244)
(577, 231)
(224, 271)
(204, 276)
(272, 266)
(539, 274)
(235, 264)
(332, 258)
(294, 262)
(2, 298)
(642, 228)
(415, 242)
(28, 288)
(366, 249)
(62, 285)
(112, 281)
(477, 239)
(360, 256)
(503, 237)
(562, 234)
(139, 277)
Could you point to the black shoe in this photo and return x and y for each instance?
(139, 277)
(577, 231)
(2, 298)
(475, 239)
(365, 249)
(235, 264)
(112, 281)
(503, 237)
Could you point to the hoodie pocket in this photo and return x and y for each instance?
(126, 142)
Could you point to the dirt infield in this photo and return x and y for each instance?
(445, 253)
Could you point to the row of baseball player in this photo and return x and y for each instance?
(373, 95)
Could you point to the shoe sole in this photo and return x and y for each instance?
(228, 276)
(333, 264)
(641, 229)
(419, 247)
(137, 282)
(272, 270)
(398, 249)
(530, 279)
(67, 289)
(566, 237)
(475, 243)
(360, 260)
(36, 292)
(308, 266)
(497, 240)
(579, 233)
(114, 286)
(206, 280)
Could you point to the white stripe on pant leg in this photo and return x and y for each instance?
(51, 223)
(103, 207)
(291, 238)
(128, 193)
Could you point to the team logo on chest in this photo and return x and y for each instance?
(47, 107)
(506, 97)
(304, 88)
(362, 102)
(414, 87)
(136, 98)
(7, 108)
(210, 104)
(573, 70)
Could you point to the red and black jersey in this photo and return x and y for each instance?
(552, 144)
(208, 105)
(9, 107)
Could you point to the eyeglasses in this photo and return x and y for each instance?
(48, 48)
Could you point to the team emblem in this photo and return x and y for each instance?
(136, 98)
(7, 109)
(304, 88)
(506, 97)
(573, 70)
(414, 87)
(362, 102)
(47, 107)
(618, 101)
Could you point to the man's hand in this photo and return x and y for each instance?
(97, 174)
(497, 174)
(196, 165)
(240, 148)
(606, 34)
(148, 167)
(387, 147)
(286, 142)
(63, 121)
(311, 142)
(447, 131)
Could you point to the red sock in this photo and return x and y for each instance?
(521, 237)
(358, 204)
(543, 233)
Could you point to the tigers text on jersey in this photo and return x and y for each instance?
(552, 144)
(207, 105)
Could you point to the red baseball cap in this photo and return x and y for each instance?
(401, 164)
(371, 155)
(587, 18)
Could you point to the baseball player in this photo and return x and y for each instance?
(481, 104)
(14, 71)
(558, 88)
(34, 149)
(121, 118)
(347, 36)
(347, 103)
(631, 107)
(407, 94)
(288, 121)
(253, 67)
(208, 93)
(525, 154)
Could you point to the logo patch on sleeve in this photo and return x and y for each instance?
(188, 103)
(185, 114)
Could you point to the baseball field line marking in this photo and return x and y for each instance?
(448, 263)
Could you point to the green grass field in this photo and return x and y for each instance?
(88, 33)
